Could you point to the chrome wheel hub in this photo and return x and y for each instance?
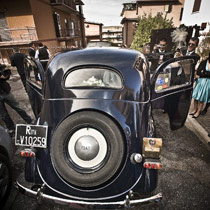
(87, 147)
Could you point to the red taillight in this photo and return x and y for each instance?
(27, 153)
(146, 165)
(152, 165)
(158, 165)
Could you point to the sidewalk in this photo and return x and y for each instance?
(201, 127)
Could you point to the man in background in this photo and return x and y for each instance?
(190, 51)
(43, 54)
(160, 54)
(6, 97)
(31, 50)
(17, 60)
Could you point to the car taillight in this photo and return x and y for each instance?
(27, 153)
(152, 165)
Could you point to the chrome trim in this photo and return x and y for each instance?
(39, 195)
(182, 90)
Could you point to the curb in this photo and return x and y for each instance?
(198, 130)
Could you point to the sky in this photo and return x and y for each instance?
(103, 11)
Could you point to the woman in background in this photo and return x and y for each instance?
(201, 92)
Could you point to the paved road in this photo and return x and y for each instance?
(184, 179)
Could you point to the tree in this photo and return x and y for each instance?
(144, 29)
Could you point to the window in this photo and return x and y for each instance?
(174, 75)
(72, 27)
(197, 4)
(78, 23)
(57, 23)
(95, 77)
(32, 73)
(67, 27)
(181, 14)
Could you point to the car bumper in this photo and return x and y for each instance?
(128, 202)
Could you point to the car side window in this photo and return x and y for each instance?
(95, 77)
(32, 72)
(174, 75)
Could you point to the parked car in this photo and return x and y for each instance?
(94, 144)
(5, 166)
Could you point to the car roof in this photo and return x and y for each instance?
(118, 58)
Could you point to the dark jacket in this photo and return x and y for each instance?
(18, 60)
(202, 70)
(4, 86)
(197, 57)
(31, 52)
(43, 54)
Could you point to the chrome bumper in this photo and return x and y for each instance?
(127, 203)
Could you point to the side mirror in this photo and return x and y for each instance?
(174, 75)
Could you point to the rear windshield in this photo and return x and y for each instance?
(93, 78)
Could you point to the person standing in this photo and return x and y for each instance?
(43, 54)
(161, 50)
(17, 60)
(31, 50)
(191, 47)
(201, 92)
(6, 97)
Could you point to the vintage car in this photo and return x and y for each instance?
(5, 166)
(94, 144)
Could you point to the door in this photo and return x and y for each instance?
(172, 85)
(34, 84)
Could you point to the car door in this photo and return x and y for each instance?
(34, 84)
(171, 88)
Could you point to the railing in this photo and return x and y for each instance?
(21, 34)
(70, 3)
(68, 32)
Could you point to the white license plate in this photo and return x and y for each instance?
(31, 135)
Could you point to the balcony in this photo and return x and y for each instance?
(18, 36)
(64, 5)
(66, 34)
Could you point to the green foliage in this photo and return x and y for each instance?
(144, 29)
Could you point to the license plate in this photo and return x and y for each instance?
(152, 147)
(31, 135)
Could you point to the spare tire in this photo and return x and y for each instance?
(87, 149)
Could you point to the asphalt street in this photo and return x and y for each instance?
(184, 179)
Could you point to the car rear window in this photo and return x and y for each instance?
(93, 78)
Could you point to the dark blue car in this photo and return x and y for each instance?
(5, 167)
(94, 144)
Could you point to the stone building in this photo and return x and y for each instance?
(55, 23)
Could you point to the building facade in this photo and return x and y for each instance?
(93, 31)
(112, 34)
(55, 23)
(196, 15)
(131, 12)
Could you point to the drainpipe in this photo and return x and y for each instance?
(81, 26)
